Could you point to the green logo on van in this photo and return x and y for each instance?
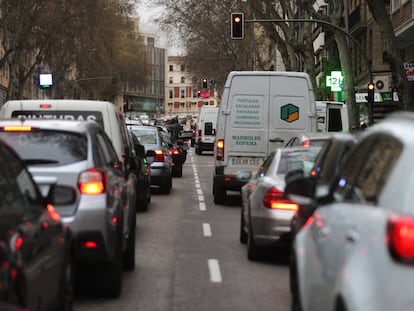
(289, 113)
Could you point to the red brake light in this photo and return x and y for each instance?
(159, 156)
(306, 143)
(18, 243)
(400, 237)
(45, 106)
(175, 151)
(220, 150)
(275, 199)
(92, 182)
(90, 244)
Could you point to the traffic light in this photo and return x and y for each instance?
(237, 25)
(371, 91)
(205, 83)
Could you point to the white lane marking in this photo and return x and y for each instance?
(199, 191)
(201, 198)
(197, 185)
(214, 268)
(202, 206)
(207, 229)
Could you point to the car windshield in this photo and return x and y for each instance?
(145, 137)
(297, 159)
(48, 147)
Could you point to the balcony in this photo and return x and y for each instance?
(356, 24)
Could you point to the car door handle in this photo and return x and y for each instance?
(276, 140)
(352, 236)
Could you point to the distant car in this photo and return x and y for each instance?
(36, 263)
(315, 139)
(266, 212)
(356, 251)
(161, 163)
(79, 156)
(143, 172)
(327, 165)
(178, 153)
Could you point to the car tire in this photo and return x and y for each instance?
(178, 172)
(252, 249)
(65, 299)
(294, 288)
(142, 204)
(128, 257)
(219, 194)
(199, 151)
(243, 234)
(166, 186)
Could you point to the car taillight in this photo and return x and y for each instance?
(220, 150)
(275, 199)
(92, 182)
(159, 156)
(306, 143)
(400, 237)
(199, 135)
(175, 151)
(17, 128)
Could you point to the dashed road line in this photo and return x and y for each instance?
(215, 273)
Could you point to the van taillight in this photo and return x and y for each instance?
(400, 237)
(220, 150)
(199, 135)
(159, 156)
(276, 199)
(92, 182)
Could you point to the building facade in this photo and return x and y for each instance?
(185, 94)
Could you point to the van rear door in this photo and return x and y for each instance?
(247, 135)
(291, 109)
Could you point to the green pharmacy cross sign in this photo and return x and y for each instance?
(335, 81)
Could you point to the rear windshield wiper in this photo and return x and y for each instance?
(39, 161)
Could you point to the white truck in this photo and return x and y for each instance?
(332, 116)
(260, 111)
(206, 129)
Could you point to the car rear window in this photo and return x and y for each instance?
(145, 137)
(45, 147)
(302, 159)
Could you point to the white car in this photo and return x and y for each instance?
(356, 252)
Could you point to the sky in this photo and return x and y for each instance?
(149, 22)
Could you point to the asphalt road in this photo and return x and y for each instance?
(188, 255)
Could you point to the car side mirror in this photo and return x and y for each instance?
(150, 156)
(300, 189)
(61, 195)
(140, 151)
(244, 176)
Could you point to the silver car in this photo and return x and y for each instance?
(266, 213)
(78, 156)
(356, 252)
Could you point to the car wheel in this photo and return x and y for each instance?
(243, 234)
(166, 186)
(65, 299)
(252, 249)
(129, 254)
(109, 277)
(142, 204)
(219, 194)
(199, 151)
(179, 171)
(294, 288)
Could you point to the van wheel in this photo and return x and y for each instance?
(199, 151)
(219, 195)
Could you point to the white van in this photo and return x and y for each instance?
(332, 116)
(103, 112)
(260, 111)
(206, 129)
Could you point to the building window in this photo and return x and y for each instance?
(170, 79)
(171, 93)
(150, 42)
(182, 92)
(171, 68)
(182, 68)
(182, 79)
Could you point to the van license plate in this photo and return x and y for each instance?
(246, 161)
